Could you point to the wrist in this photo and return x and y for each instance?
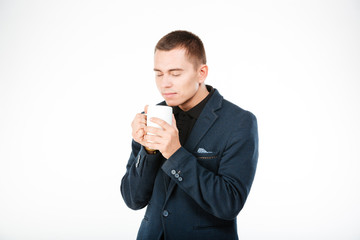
(151, 151)
(169, 154)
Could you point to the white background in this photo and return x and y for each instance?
(74, 73)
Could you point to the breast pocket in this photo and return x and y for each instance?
(209, 161)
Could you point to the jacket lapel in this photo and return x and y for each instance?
(202, 125)
(206, 119)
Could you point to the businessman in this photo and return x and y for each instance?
(194, 176)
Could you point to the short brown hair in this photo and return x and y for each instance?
(183, 39)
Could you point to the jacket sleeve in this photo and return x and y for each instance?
(137, 183)
(222, 194)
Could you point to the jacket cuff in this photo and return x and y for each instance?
(146, 160)
(174, 166)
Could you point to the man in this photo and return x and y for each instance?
(197, 180)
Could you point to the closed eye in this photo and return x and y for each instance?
(176, 73)
(159, 74)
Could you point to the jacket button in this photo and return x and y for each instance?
(173, 172)
(165, 213)
(176, 175)
(180, 179)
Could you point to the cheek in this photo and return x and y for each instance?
(189, 83)
(185, 86)
(192, 85)
(157, 81)
(188, 90)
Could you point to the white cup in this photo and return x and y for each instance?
(159, 111)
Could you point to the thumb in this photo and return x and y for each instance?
(146, 108)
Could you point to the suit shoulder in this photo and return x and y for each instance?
(232, 110)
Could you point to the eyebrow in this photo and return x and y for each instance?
(170, 70)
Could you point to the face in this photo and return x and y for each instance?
(177, 79)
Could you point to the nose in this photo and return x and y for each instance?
(166, 81)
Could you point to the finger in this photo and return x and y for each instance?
(136, 126)
(153, 130)
(140, 118)
(142, 121)
(141, 115)
(146, 108)
(138, 136)
(163, 124)
(135, 119)
(152, 139)
(140, 133)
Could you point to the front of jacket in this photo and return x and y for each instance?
(211, 176)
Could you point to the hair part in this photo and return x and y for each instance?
(192, 44)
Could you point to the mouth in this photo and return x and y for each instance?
(169, 95)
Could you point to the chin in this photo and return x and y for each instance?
(172, 103)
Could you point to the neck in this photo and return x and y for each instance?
(200, 95)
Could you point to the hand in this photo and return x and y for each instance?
(166, 139)
(138, 125)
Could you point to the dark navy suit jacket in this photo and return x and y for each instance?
(211, 176)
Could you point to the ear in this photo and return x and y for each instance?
(203, 72)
